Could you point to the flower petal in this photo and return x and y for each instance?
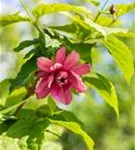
(81, 69)
(42, 89)
(50, 80)
(44, 64)
(56, 66)
(42, 94)
(41, 74)
(61, 95)
(71, 60)
(60, 55)
(77, 83)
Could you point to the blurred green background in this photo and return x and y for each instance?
(99, 119)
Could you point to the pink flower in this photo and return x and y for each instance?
(58, 76)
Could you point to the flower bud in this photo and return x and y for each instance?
(112, 9)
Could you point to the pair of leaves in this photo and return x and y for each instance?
(21, 129)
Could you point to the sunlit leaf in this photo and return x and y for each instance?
(7, 143)
(122, 9)
(121, 54)
(75, 128)
(13, 18)
(104, 30)
(106, 89)
(15, 97)
(44, 9)
(94, 2)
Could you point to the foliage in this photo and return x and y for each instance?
(25, 121)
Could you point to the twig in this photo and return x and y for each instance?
(99, 13)
(53, 133)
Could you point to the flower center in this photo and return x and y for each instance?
(62, 78)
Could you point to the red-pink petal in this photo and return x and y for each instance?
(77, 83)
(81, 69)
(56, 66)
(61, 95)
(41, 74)
(71, 60)
(50, 80)
(60, 55)
(42, 94)
(42, 89)
(44, 64)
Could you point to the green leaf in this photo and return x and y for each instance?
(25, 44)
(13, 18)
(89, 25)
(44, 9)
(34, 129)
(69, 28)
(105, 89)
(121, 54)
(15, 97)
(7, 143)
(94, 2)
(51, 103)
(123, 9)
(66, 116)
(75, 128)
(25, 73)
(105, 20)
(104, 30)
(30, 53)
(4, 90)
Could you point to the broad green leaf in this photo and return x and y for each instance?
(7, 143)
(66, 116)
(105, 20)
(34, 129)
(123, 9)
(11, 108)
(15, 97)
(121, 54)
(25, 73)
(13, 18)
(105, 89)
(44, 9)
(25, 44)
(75, 128)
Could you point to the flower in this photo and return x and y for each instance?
(59, 75)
